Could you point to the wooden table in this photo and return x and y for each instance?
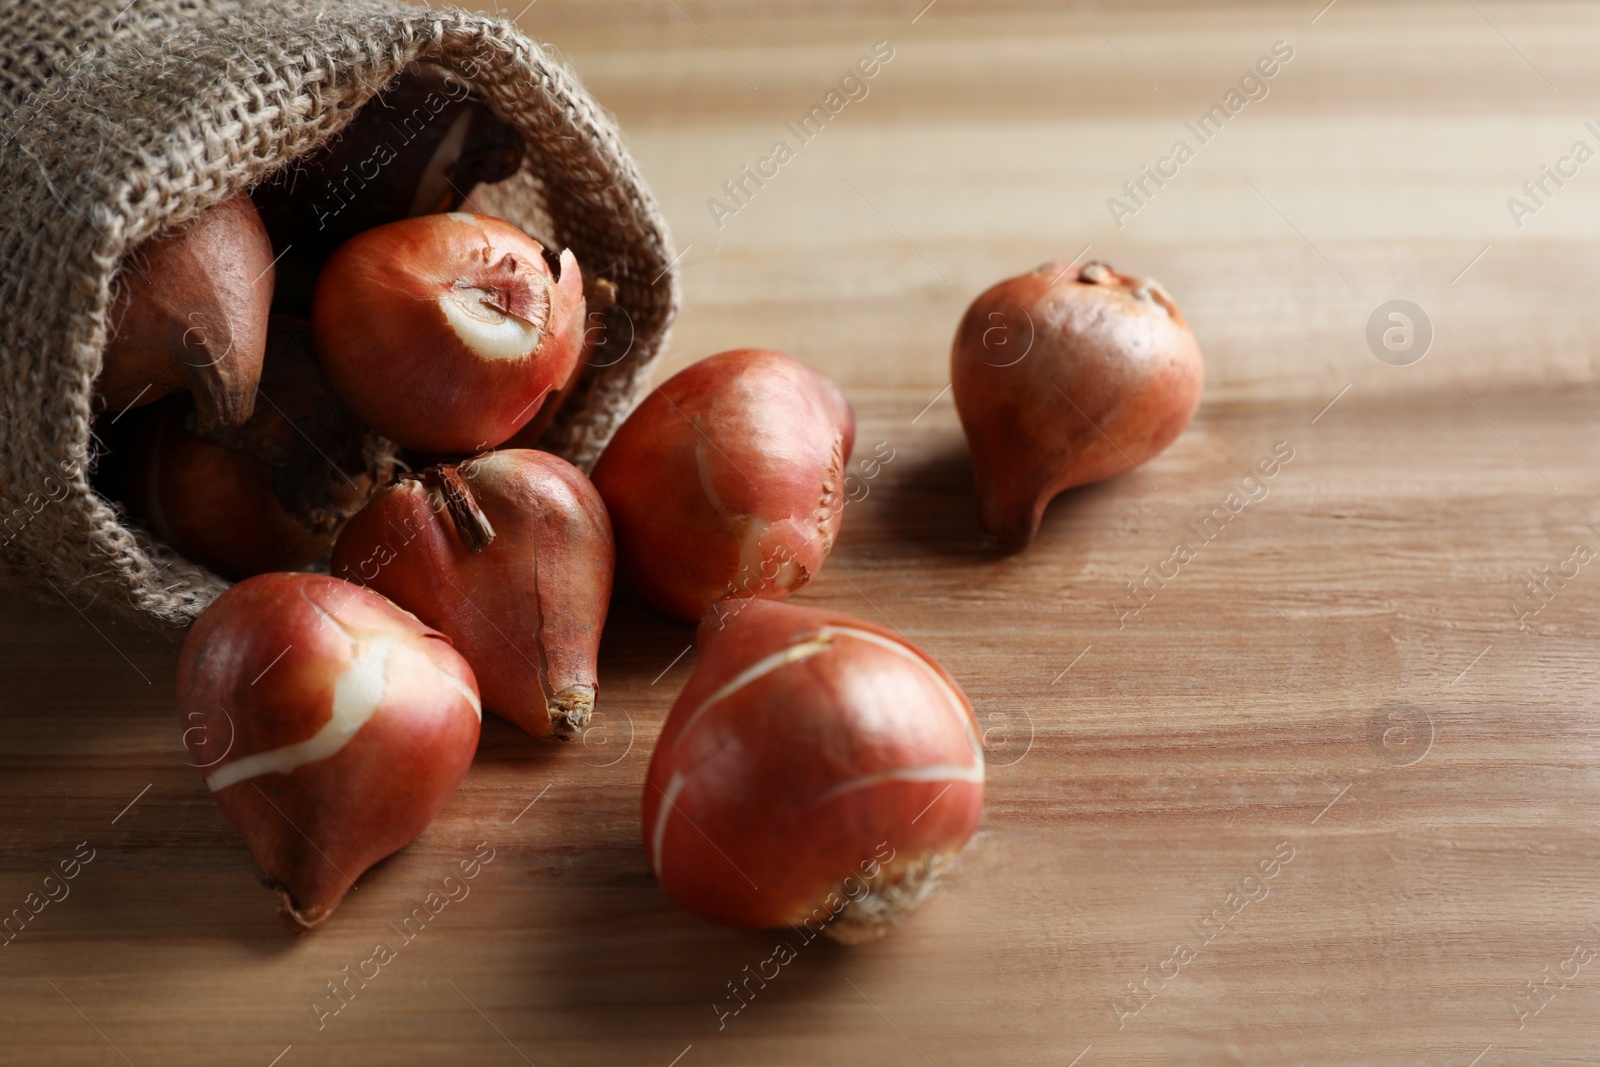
(1337, 691)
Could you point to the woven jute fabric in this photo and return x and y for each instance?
(120, 121)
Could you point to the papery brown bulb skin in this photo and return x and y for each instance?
(527, 609)
(445, 333)
(602, 326)
(727, 481)
(1064, 376)
(330, 726)
(812, 758)
(210, 502)
(321, 462)
(190, 312)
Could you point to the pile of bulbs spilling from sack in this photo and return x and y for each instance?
(362, 389)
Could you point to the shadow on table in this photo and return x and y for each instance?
(932, 505)
(635, 964)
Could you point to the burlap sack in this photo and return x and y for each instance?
(122, 120)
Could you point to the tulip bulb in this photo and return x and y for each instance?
(268, 495)
(1066, 376)
(510, 555)
(211, 502)
(330, 726)
(727, 482)
(445, 333)
(190, 312)
(817, 771)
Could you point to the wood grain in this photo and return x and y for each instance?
(1339, 677)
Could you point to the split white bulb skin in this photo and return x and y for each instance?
(484, 329)
(446, 333)
(330, 726)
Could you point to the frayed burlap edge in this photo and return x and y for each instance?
(122, 122)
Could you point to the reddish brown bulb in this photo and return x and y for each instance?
(445, 333)
(510, 555)
(190, 312)
(268, 495)
(727, 481)
(330, 726)
(1066, 376)
(210, 502)
(816, 771)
